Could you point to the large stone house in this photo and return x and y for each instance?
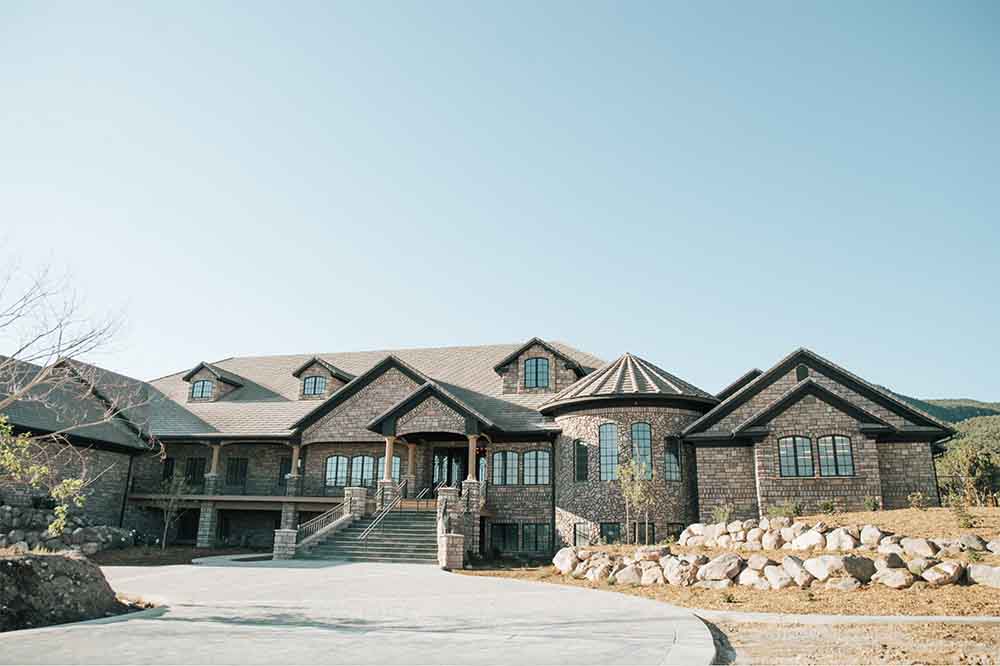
(531, 437)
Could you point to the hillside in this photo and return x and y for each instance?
(954, 410)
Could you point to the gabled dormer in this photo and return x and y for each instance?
(318, 379)
(537, 367)
(209, 383)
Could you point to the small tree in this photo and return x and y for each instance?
(168, 501)
(637, 491)
(972, 461)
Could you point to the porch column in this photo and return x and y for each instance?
(212, 477)
(387, 471)
(472, 457)
(411, 469)
(292, 478)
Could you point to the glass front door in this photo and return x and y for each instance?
(450, 466)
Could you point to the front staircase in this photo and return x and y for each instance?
(402, 536)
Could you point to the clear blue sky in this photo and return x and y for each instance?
(706, 185)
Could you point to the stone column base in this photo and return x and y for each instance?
(451, 551)
(208, 517)
(284, 544)
(289, 516)
(411, 484)
(356, 497)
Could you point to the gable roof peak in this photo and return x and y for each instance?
(217, 372)
(571, 363)
(330, 367)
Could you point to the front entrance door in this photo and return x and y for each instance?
(451, 466)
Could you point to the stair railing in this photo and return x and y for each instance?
(311, 527)
(380, 516)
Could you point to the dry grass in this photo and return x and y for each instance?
(872, 600)
(750, 643)
(927, 523)
(154, 556)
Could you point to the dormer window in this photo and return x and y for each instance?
(536, 373)
(203, 389)
(314, 385)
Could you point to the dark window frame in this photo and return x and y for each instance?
(540, 539)
(397, 468)
(608, 451)
(794, 464)
(581, 461)
(611, 529)
(509, 532)
(237, 471)
(339, 462)
(314, 385)
(577, 529)
(641, 433)
(535, 368)
(842, 465)
(199, 392)
(167, 473)
(194, 470)
(502, 478)
(639, 533)
(672, 468)
(533, 467)
(362, 480)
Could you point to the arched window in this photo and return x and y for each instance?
(607, 436)
(314, 385)
(672, 460)
(835, 456)
(482, 468)
(536, 468)
(363, 471)
(336, 471)
(642, 449)
(380, 467)
(504, 468)
(202, 389)
(795, 456)
(536, 373)
(580, 462)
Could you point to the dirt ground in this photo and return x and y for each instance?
(927, 523)
(873, 600)
(154, 556)
(746, 643)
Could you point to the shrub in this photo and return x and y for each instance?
(827, 506)
(958, 507)
(729, 598)
(871, 503)
(917, 500)
(722, 513)
(787, 509)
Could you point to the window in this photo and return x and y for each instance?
(236, 472)
(835, 456)
(536, 468)
(795, 456)
(642, 449)
(380, 467)
(641, 536)
(503, 537)
(537, 537)
(536, 373)
(611, 532)
(801, 372)
(336, 471)
(314, 385)
(481, 466)
(202, 390)
(672, 460)
(363, 471)
(194, 471)
(608, 444)
(168, 469)
(581, 534)
(580, 461)
(284, 467)
(504, 468)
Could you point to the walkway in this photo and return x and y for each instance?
(365, 613)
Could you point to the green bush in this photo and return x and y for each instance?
(827, 507)
(871, 503)
(917, 500)
(787, 510)
(721, 514)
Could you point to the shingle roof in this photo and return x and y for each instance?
(628, 376)
(268, 402)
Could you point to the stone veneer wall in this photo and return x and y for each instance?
(219, 387)
(251, 529)
(347, 421)
(559, 375)
(726, 475)
(906, 467)
(431, 415)
(518, 503)
(811, 417)
(263, 467)
(595, 501)
(315, 455)
(317, 370)
(147, 470)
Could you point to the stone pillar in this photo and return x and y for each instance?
(284, 544)
(449, 510)
(470, 504)
(386, 493)
(289, 516)
(356, 499)
(212, 484)
(411, 470)
(472, 457)
(293, 477)
(208, 520)
(451, 551)
(216, 449)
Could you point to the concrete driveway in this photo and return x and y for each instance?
(361, 613)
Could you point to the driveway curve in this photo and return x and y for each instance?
(361, 613)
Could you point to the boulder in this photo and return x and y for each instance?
(679, 572)
(820, 527)
(896, 578)
(715, 530)
(810, 540)
(764, 523)
(753, 578)
(599, 573)
(580, 571)
(889, 548)
(777, 522)
(771, 540)
(834, 566)
(946, 573)
(983, 574)
(696, 529)
(722, 567)
(652, 576)
(566, 560)
(739, 536)
(871, 535)
(758, 562)
(629, 575)
(795, 568)
(651, 553)
(584, 554)
(994, 546)
(919, 565)
(724, 541)
(735, 526)
(777, 577)
(890, 561)
(971, 542)
(889, 538)
(754, 535)
(840, 539)
(697, 560)
(91, 548)
(843, 583)
(695, 541)
(918, 547)
(714, 584)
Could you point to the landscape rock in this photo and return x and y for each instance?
(758, 562)
(994, 546)
(679, 572)
(890, 561)
(580, 571)
(971, 542)
(771, 540)
(696, 529)
(946, 573)
(735, 526)
(918, 547)
(871, 535)
(754, 535)
(777, 522)
(566, 560)
(724, 541)
(722, 567)
(890, 548)
(840, 539)
(652, 576)
(809, 540)
(714, 584)
(629, 575)
(896, 578)
(777, 577)
(795, 568)
(919, 565)
(983, 574)
(753, 578)
(844, 583)
(599, 573)
(651, 553)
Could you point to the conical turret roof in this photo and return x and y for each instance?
(629, 377)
